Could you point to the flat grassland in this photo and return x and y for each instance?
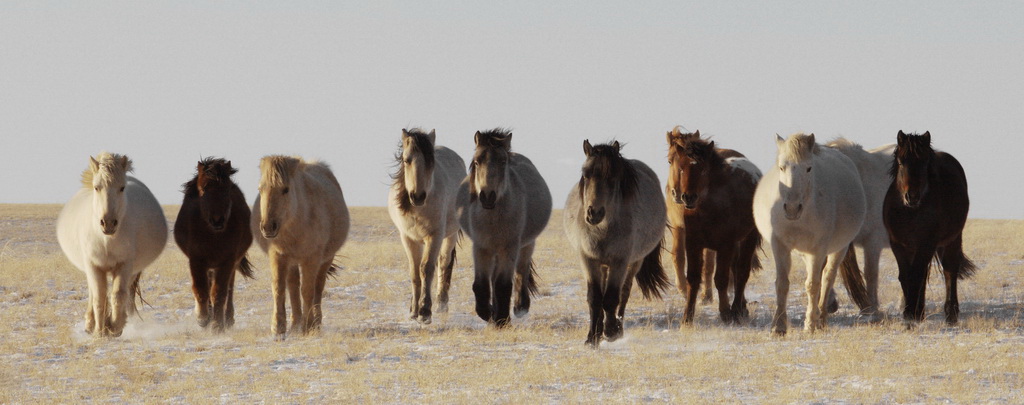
(368, 350)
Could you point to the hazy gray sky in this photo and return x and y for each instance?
(169, 82)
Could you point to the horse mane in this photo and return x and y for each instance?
(277, 170)
(799, 147)
(628, 185)
(106, 161)
(493, 138)
(215, 169)
(910, 146)
(843, 143)
(421, 142)
(702, 150)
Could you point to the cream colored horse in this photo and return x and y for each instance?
(112, 227)
(811, 201)
(421, 203)
(300, 220)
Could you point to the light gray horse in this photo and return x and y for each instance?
(873, 166)
(615, 218)
(421, 203)
(503, 205)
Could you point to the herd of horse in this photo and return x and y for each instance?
(820, 200)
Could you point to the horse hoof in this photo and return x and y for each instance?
(442, 307)
(484, 312)
(203, 322)
(279, 337)
(521, 312)
(593, 342)
(424, 320)
(707, 299)
(502, 323)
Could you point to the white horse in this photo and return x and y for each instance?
(811, 201)
(112, 227)
(300, 220)
(873, 166)
(421, 203)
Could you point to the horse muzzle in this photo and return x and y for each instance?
(595, 216)
(911, 200)
(689, 200)
(217, 224)
(418, 199)
(269, 230)
(488, 199)
(793, 211)
(108, 227)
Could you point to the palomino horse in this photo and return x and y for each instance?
(713, 190)
(113, 226)
(873, 166)
(924, 213)
(811, 201)
(503, 205)
(421, 203)
(615, 218)
(300, 220)
(212, 230)
(673, 199)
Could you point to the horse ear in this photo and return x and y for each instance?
(779, 141)
(125, 164)
(93, 164)
(587, 147)
(432, 136)
(810, 141)
(712, 145)
(615, 145)
(199, 166)
(405, 134)
(696, 134)
(900, 138)
(668, 138)
(927, 137)
(506, 142)
(476, 138)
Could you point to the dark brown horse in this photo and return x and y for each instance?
(924, 213)
(713, 189)
(212, 230)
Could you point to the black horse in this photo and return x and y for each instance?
(924, 213)
(213, 231)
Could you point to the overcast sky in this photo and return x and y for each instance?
(170, 82)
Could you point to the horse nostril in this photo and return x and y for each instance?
(103, 222)
(800, 207)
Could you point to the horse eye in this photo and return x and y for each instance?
(122, 189)
(808, 169)
(693, 163)
(408, 161)
(96, 188)
(285, 191)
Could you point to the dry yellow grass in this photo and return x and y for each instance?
(369, 351)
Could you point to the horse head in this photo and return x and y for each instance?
(277, 201)
(911, 166)
(690, 161)
(108, 176)
(794, 162)
(417, 165)
(214, 185)
(607, 180)
(489, 170)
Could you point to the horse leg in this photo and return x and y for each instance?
(97, 280)
(219, 294)
(872, 254)
(427, 269)
(279, 270)
(617, 272)
(741, 272)
(201, 290)
(295, 298)
(627, 287)
(595, 299)
(723, 270)
(694, 267)
(709, 275)
(414, 252)
(913, 278)
(445, 264)
(524, 280)
(679, 259)
(483, 266)
(310, 272)
(815, 264)
(316, 314)
(783, 262)
(119, 296)
(229, 311)
(832, 263)
(504, 272)
(951, 257)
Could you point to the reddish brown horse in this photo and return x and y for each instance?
(924, 213)
(212, 230)
(714, 190)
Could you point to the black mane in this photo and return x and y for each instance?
(215, 169)
(616, 165)
(911, 147)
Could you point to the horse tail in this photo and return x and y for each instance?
(245, 267)
(134, 292)
(854, 279)
(651, 277)
(334, 270)
(967, 266)
(755, 259)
